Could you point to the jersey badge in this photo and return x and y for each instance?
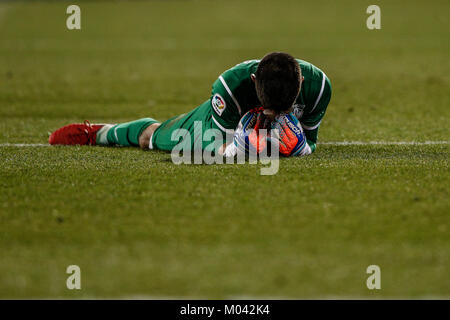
(218, 104)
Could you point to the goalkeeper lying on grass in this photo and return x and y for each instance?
(286, 90)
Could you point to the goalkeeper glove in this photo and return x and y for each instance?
(288, 133)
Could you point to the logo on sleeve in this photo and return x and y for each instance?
(298, 110)
(218, 104)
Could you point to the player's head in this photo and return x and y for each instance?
(278, 81)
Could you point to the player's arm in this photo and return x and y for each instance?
(226, 110)
(311, 121)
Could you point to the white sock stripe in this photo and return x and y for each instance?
(150, 143)
(102, 134)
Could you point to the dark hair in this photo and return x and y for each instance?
(278, 81)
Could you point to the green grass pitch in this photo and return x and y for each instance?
(140, 226)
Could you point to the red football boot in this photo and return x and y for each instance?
(76, 134)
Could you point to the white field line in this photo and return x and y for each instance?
(24, 145)
(330, 143)
(386, 143)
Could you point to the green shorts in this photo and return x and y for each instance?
(168, 135)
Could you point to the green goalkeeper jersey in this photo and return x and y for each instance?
(234, 93)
